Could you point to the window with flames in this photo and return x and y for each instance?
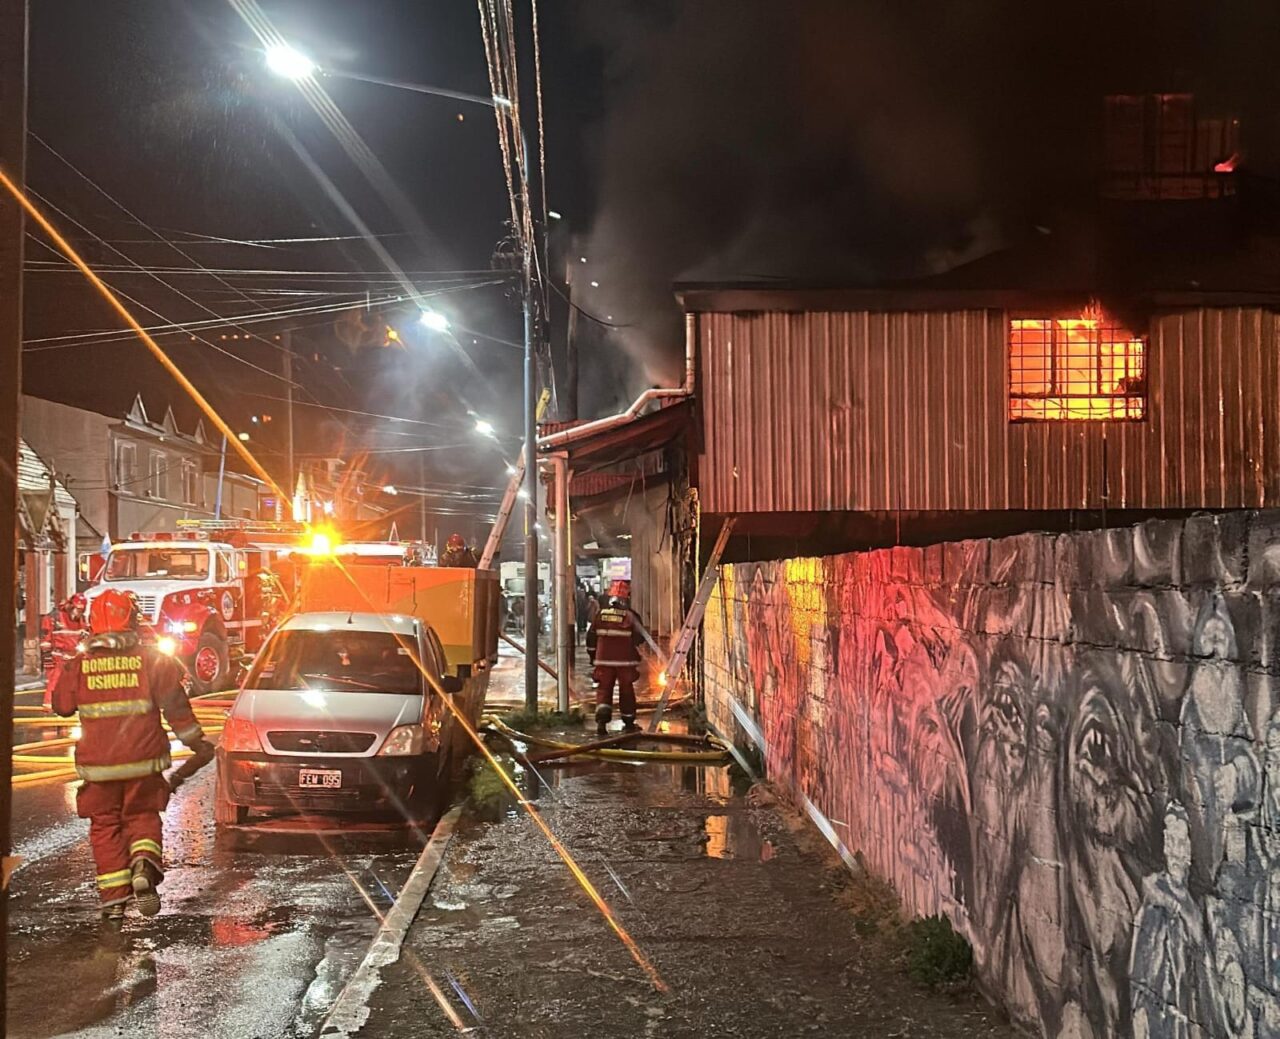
(1085, 368)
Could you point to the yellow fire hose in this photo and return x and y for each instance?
(685, 757)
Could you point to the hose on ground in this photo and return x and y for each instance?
(717, 756)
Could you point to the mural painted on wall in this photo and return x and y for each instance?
(1069, 744)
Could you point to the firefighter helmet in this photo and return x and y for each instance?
(455, 543)
(620, 590)
(113, 611)
(79, 602)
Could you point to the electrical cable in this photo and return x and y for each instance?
(144, 225)
(155, 313)
(172, 328)
(585, 313)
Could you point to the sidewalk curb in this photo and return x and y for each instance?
(350, 1010)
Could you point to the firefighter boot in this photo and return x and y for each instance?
(145, 879)
(604, 714)
(629, 724)
(113, 915)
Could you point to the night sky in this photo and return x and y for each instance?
(826, 140)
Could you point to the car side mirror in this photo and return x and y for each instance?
(451, 683)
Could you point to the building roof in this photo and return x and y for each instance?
(602, 448)
(1175, 254)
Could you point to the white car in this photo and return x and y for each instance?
(335, 715)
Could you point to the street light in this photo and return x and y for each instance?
(484, 428)
(285, 61)
(292, 64)
(434, 320)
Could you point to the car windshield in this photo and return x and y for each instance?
(337, 660)
(177, 564)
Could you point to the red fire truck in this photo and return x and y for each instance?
(207, 591)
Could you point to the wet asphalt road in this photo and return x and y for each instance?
(260, 927)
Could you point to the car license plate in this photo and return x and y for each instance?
(326, 778)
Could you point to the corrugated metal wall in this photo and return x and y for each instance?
(655, 576)
(871, 411)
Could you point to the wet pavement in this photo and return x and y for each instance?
(727, 896)
(731, 900)
(259, 929)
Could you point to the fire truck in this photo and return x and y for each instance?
(207, 592)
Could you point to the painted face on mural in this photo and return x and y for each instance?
(1104, 810)
(1003, 721)
(1100, 786)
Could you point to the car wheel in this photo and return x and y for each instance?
(209, 666)
(224, 812)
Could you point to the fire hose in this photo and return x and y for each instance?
(609, 749)
(61, 768)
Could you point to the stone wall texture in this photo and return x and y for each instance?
(1067, 743)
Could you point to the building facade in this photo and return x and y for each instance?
(137, 473)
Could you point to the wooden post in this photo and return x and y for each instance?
(13, 144)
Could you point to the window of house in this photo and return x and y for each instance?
(159, 475)
(126, 466)
(190, 483)
(1075, 368)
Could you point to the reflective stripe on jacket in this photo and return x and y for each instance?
(124, 770)
(119, 688)
(617, 638)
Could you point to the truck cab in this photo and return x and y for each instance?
(201, 600)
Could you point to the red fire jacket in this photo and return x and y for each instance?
(62, 635)
(617, 638)
(119, 688)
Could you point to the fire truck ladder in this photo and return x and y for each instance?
(692, 622)
(509, 499)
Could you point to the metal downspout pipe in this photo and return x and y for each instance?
(562, 560)
(554, 441)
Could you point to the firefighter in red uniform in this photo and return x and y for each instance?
(120, 687)
(65, 628)
(615, 633)
(456, 553)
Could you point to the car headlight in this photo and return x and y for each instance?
(238, 734)
(167, 645)
(181, 628)
(401, 741)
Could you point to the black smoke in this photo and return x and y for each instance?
(838, 141)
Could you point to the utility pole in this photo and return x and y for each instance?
(13, 145)
(287, 340)
(530, 478)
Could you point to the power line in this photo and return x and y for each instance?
(142, 306)
(175, 327)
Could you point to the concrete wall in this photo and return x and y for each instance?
(1068, 744)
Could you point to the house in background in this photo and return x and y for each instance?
(137, 473)
(46, 528)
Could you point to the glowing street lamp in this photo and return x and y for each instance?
(290, 63)
(484, 428)
(434, 320)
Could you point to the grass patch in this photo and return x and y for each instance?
(525, 720)
(487, 793)
(937, 957)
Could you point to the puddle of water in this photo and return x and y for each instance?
(733, 836)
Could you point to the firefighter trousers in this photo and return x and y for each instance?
(625, 677)
(124, 826)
